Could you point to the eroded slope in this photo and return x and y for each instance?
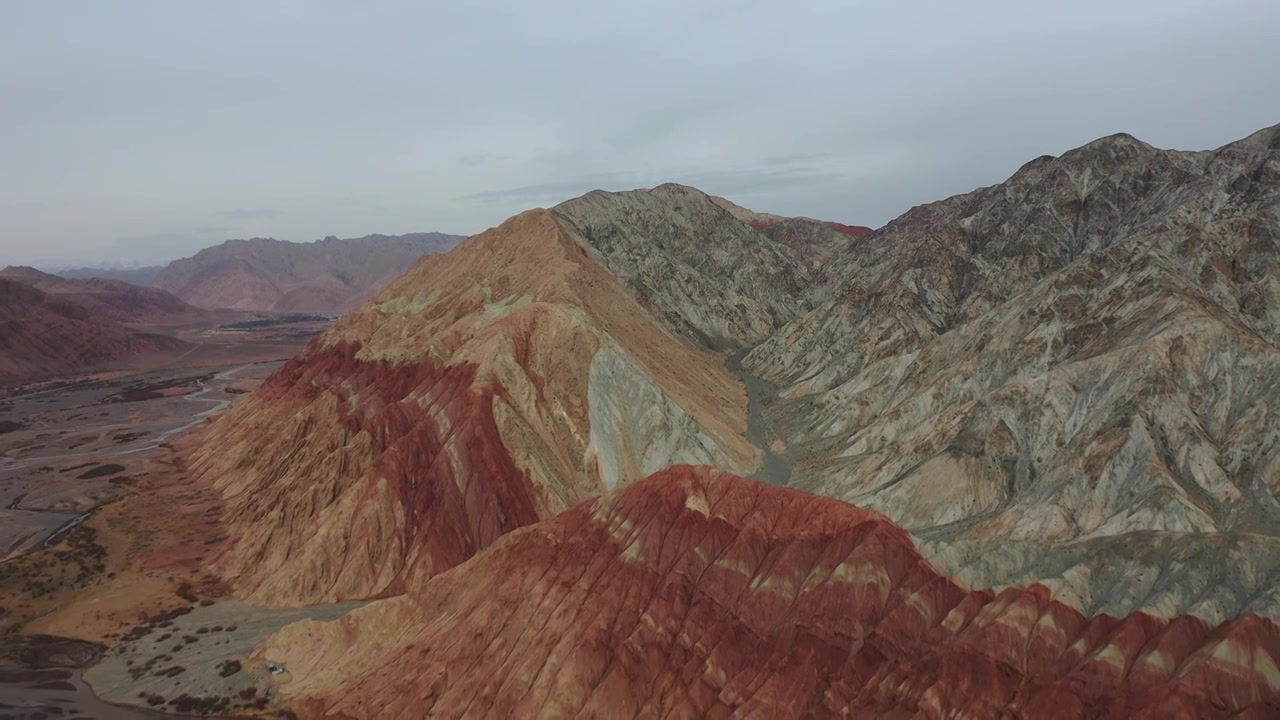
(1068, 378)
(484, 390)
(698, 594)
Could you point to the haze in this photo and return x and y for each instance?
(143, 131)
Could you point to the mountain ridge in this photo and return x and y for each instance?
(326, 275)
(518, 349)
(118, 300)
(43, 335)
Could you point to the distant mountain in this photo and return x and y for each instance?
(761, 221)
(116, 300)
(44, 335)
(328, 275)
(142, 276)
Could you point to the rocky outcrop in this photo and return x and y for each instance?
(44, 336)
(709, 276)
(328, 275)
(698, 594)
(486, 389)
(1063, 375)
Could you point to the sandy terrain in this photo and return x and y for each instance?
(85, 470)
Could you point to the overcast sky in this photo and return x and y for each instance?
(143, 131)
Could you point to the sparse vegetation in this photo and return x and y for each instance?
(101, 471)
(76, 562)
(271, 321)
(186, 593)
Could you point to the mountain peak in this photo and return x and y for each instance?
(683, 254)
(25, 273)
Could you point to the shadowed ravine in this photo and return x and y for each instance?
(774, 467)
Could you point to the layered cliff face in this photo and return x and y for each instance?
(1067, 378)
(273, 275)
(698, 594)
(485, 390)
(44, 335)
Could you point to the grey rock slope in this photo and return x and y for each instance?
(1071, 377)
(709, 275)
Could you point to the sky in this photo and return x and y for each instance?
(138, 132)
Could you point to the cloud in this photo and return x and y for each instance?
(738, 182)
(478, 159)
(213, 230)
(160, 246)
(845, 111)
(244, 214)
(792, 158)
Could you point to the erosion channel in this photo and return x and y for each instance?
(774, 468)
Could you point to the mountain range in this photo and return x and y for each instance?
(47, 334)
(268, 275)
(649, 453)
(273, 275)
(1063, 385)
(141, 276)
(115, 300)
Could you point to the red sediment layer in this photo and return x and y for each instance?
(434, 442)
(695, 593)
(854, 230)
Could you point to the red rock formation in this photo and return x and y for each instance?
(695, 593)
(854, 230)
(438, 513)
(458, 404)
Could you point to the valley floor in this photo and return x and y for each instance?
(71, 451)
